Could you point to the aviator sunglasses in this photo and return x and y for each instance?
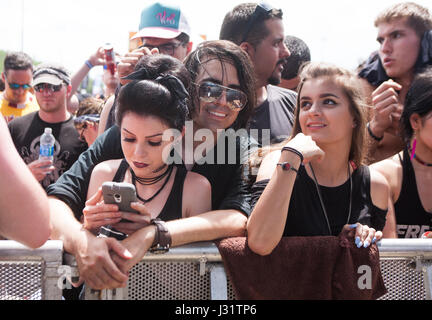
(47, 86)
(210, 92)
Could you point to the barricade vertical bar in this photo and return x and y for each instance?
(428, 279)
(218, 283)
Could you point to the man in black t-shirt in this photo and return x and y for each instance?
(52, 87)
(258, 29)
(104, 262)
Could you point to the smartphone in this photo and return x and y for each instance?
(121, 194)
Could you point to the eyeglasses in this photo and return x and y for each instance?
(261, 9)
(16, 86)
(167, 48)
(80, 122)
(210, 92)
(47, 86)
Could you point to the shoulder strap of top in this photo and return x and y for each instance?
(173, 207)
(121, 171)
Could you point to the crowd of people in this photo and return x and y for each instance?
(245, 136)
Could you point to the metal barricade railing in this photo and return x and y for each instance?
(406, 266)
(27, 274)
(190, 272)
(196, 272)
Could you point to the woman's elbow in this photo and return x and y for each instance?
(263, 249)
(259, 245)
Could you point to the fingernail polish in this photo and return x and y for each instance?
(366, 244)
(373, 240)
(357, 240)
(353, 226)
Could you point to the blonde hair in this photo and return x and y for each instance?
(418, 17)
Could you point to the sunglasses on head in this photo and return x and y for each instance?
(47, 86)
(16, 86)
(81, 121)
(262, 9)
(210, 92)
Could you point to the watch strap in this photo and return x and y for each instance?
(162, 240)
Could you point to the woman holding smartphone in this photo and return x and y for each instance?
(315, 184)
(149, 111)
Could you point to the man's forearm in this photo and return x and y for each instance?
(65, 227)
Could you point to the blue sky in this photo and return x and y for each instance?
(337, 31)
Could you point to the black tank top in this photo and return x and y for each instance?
(305, 215)
(172, 209)
(411, 218)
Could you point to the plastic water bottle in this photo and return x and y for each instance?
(46, 148)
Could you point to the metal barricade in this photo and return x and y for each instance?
(27, 274)
(190, 272)
(196, 272)
(406, 266)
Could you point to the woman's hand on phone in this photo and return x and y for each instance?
(137, 221)
(98, 214)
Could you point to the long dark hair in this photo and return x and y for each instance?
(225, 51)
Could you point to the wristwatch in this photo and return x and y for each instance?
(162, 240)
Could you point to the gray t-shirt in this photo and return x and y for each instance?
(275, 114)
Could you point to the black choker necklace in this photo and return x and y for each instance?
(322, 202)
(150, 181)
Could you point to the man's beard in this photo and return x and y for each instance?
(274, 81)
(275, 78)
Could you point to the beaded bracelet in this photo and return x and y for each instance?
(294, 151)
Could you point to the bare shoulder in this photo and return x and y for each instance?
(196, 182)
(268, 165)
(379, 189)
(389, 168)
(102, 172)
(106, 168)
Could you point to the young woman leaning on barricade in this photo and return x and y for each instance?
(315, 183)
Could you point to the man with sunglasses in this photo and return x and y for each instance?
(17, 99)
(51, 84)
(222, 97)
(258, 29)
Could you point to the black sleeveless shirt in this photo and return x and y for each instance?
(412, 219)
(172, 209)
(305, 215)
